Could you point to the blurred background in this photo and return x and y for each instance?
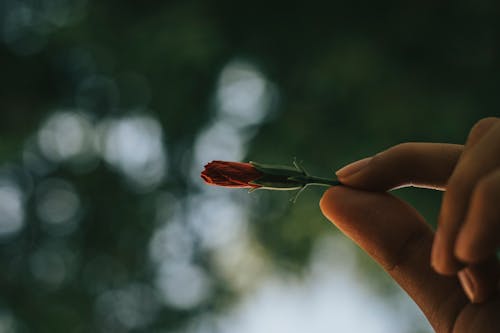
(110, 109)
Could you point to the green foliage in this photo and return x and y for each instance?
(349, 79)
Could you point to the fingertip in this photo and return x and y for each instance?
(329, 201)
(323, 202)
(353, 168)
(347, 207)
(363, 174)
(442, 260)
(448, 269)
(479, 281)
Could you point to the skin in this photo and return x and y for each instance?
(451, 273)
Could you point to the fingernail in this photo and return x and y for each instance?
(352, 168)
(467, 283)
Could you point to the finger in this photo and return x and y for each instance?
(398, 238)
(483, 319)
(418, 164)
(479, 130)
(480, 281)
(477, 160)
(479, 236)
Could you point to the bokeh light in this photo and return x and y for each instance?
(217, 220)
(67, 136)
(58, 205)
(332, 292)
(134, 146)
(11, 208)
(132, 307)
(243, 94)
(183, 285)
(8, 323)
(109, 111)
(51, 266)
(220, 142)
(26, 25)
(23, 30)
(173, 241)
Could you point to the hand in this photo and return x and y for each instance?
(462, 251)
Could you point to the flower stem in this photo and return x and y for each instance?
(312, 180)
(322, 181)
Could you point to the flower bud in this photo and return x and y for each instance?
(255, 175)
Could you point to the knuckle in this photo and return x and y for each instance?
(487, 189)
(404, 152)
(398, 160)
(404, 147)
(409, 248)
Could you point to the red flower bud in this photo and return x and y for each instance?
(231, 174)
(261, 176)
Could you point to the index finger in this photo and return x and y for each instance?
(418, 164)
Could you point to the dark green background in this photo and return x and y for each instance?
(349, 79)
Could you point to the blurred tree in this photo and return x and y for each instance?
(103, 105)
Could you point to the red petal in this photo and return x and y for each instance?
(231, 174)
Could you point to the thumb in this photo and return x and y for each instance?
(397, 237)
(417, 164)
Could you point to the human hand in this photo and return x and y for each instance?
(398, 238)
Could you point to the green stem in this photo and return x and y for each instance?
(312, 180)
